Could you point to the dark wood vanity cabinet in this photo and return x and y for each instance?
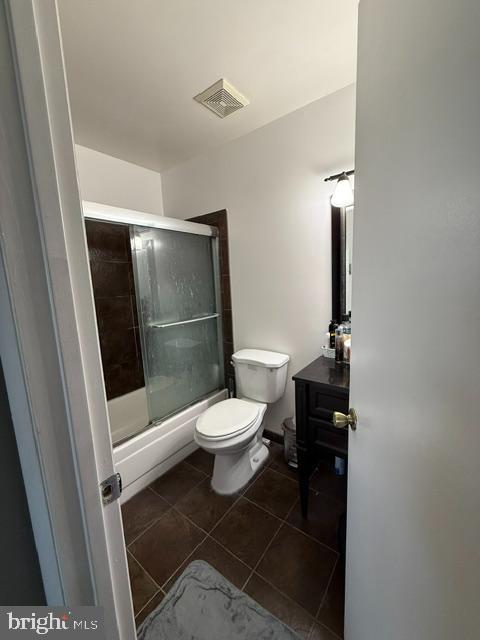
(321, 388)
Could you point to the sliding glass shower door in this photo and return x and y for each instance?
(178, 300)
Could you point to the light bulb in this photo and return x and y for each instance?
(343, 194)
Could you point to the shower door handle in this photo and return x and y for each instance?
(180, 322)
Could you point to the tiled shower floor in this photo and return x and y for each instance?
(256, 539)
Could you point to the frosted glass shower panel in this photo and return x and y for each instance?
(177, 279)
(180, 324)
(183, 365)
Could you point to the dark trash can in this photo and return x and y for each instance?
(290, 442)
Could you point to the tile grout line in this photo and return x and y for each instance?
(160, 590)
(172, 504)
(270, 513)
(201, 542)
(192, 466)
(253, 572)
(284, 475)
(172, 508)
(312, 489)
(226, 512)
(143, 568)
(190, 554)
(337, 637)
(287, 597)
(290, 511)
(285, 521)
(327, 587)
(207, 534)
(206, 476)
(169, 503)
(253, 480)
(229, 551)
(191, 521)
(263, 554)
(149, 526)
(217, 523)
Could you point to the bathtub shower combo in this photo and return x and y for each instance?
(177, 289)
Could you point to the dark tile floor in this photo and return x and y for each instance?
(257, 539)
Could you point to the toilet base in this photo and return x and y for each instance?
(232, 471)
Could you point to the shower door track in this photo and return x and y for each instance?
(157, 422)
(106, 213)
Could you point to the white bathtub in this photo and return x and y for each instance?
(150, 454)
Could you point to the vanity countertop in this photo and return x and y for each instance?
(325, 371)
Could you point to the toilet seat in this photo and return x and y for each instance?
(227, 418)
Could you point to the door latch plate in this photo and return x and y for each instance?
(111, 488)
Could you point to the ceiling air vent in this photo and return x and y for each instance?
(222, 98)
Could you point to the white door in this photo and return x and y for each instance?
(48, 337)
(413, 550)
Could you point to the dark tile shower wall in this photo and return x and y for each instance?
(218, 219)
(115, 303)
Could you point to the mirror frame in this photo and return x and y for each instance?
(338, 262)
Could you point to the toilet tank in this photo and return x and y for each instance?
(260, 375)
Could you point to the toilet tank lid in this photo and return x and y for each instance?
(269, 359)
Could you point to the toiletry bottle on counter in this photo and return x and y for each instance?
(331, 330)
(339, 335)
(347, 341)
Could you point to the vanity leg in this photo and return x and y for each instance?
(303, 457)
(304, 479)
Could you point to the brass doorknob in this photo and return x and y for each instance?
(342, 421)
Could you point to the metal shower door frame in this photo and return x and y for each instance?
(107, 213)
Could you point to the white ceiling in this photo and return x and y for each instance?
(133, 67)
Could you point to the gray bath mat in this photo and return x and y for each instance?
(203, 605)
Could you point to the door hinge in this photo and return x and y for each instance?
(111, 488)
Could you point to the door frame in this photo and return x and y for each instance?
(49, 346)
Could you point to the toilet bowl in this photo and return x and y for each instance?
(232, 429)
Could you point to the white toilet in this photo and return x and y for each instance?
(232, 429)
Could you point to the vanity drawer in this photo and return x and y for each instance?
(321, 404)
(324, 434)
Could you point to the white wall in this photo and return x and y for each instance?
(112, 181)
(271, 183)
